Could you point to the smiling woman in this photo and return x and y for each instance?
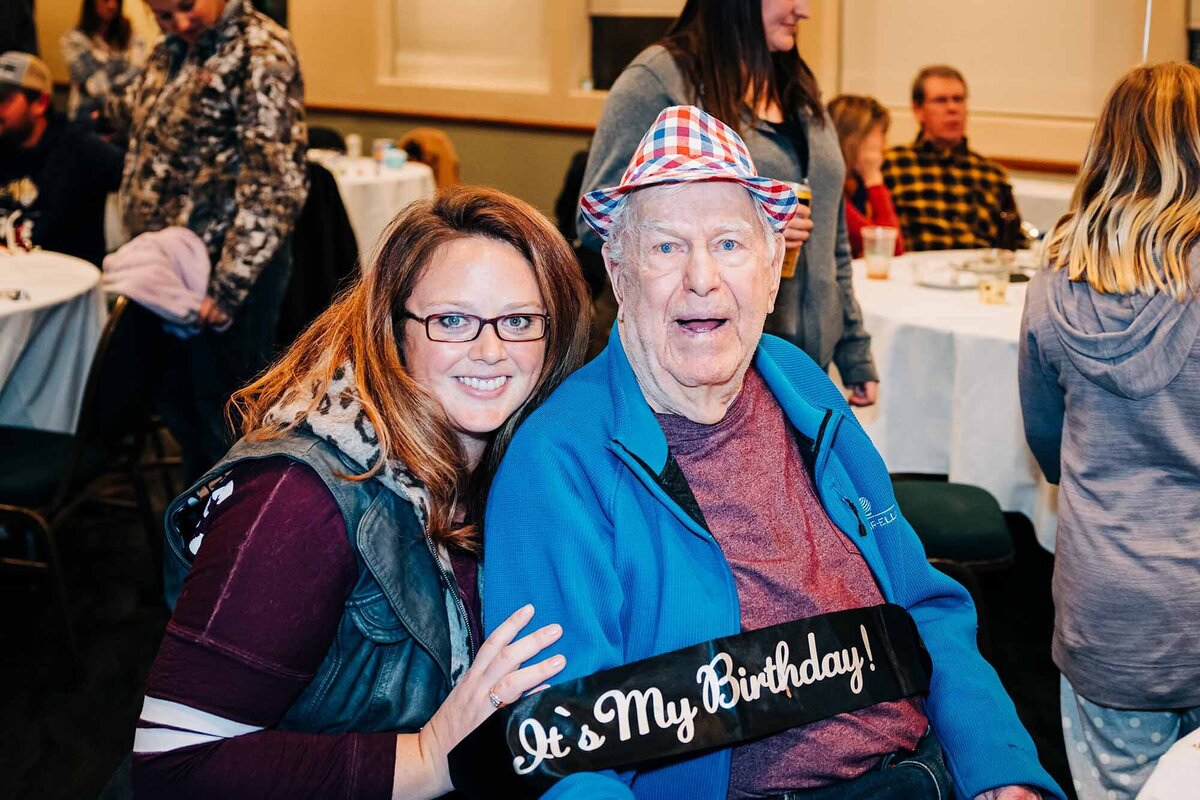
(372, 441)
(481, 380)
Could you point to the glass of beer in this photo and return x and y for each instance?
(804, 194)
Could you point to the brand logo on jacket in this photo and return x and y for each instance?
(879, 519)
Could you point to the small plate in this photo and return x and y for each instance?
(946, 276)
(989, 260)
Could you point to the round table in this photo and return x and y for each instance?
(948, 398)
(373, 195)
(47, 338)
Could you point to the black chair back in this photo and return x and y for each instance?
(321, 138)
(119, 393)
(324, 256)
(27, 548)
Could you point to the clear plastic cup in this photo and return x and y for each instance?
(879, 244)
(993, 286)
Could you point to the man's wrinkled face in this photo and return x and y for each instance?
(697, 280)
(943, 115)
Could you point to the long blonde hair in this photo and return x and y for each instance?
(363, 327)
(1135, 212)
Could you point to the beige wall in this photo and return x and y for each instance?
(350, 60)
(1038, 70)
(56, 17)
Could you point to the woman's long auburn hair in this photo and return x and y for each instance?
(1135, 213)
(119, 31)
(721, 48)
(854, 116)
(364, 327)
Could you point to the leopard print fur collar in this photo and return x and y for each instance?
(340, 420)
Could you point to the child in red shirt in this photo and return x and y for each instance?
(862, 125)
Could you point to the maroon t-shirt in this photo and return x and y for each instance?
(789, 562)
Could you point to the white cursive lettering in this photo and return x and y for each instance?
(679, 714)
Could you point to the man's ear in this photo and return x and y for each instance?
(776, 269)
(919, 115)
(41, 106)
(616, 273)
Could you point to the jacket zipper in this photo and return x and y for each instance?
(730, 581)
(862, 529)
(453, 586)
(820, 451)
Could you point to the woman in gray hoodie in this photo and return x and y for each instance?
(1110, 390)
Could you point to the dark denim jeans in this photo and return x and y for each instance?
(920, 775)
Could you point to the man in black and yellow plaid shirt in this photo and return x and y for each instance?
(945, 195)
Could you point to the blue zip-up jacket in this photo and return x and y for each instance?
(587, 519)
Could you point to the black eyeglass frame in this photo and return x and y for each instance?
(483, 323)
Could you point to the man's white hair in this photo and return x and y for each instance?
(628, 221)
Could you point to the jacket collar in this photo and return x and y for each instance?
(637, 430)
(810, 420)
(635, 427)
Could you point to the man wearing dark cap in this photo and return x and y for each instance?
(53, 173)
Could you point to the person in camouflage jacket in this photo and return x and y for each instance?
(216, 143)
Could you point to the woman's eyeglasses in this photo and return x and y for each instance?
(456, 327)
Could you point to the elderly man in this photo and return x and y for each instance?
(698, 479)
(946, 195)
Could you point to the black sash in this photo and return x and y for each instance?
(710, 695)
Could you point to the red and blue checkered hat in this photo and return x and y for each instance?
(686, 144)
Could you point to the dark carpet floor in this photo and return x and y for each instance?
(62, 739)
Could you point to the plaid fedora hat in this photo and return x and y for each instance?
(686, 144)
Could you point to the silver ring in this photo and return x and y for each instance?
(495, 700)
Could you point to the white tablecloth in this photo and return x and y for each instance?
(47, 341)
(1042, 201)
(373, 196)
(948, 401)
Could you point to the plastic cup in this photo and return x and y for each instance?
(394, 158)
(353, 145)
(993, 286)
(792, 256)
(379, 148)
(879, 244)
